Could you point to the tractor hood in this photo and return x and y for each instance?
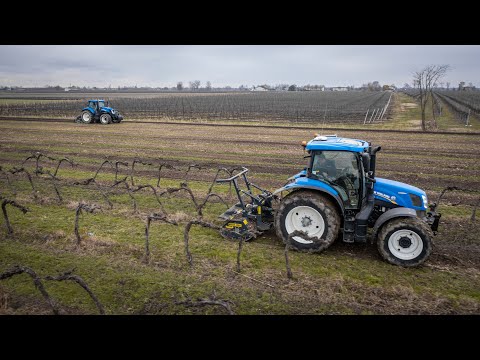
(400, 194)
(107, 109)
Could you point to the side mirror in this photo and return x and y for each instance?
(366, 162)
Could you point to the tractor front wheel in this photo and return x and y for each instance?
(311, 213)
(86, 117)
(105, 119)
(405, 242)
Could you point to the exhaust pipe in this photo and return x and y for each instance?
(361, 220)
(373, 158)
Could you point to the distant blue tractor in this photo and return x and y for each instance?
(338, 192)
(99, 111)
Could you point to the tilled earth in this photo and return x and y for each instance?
(429, 161)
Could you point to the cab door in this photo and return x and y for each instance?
(343, 171)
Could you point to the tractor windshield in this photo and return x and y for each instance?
(340, 170)
(101, 104)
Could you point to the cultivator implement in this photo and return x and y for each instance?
(251, 215)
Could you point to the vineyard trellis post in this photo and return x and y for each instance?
(366, 117)
(386, 107)
(373, 114)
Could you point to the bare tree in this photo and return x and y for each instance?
(425, 80)
(194, 85)
(180, 86)
(208, 86)
(374, 86)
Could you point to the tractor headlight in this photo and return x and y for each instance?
(416, 200)
(113, 111)
(425, 201)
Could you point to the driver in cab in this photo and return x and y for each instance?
(324, 167)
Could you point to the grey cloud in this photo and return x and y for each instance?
(233, 65)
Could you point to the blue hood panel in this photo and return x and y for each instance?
(397, 193)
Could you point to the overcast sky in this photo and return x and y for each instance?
(234, 65)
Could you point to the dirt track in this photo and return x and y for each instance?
(293, 127)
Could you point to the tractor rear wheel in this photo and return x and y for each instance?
(405, 241)
(312, 213)
(86, 117)
(105, 119)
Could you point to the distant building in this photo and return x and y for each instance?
(389, 88)
(313, 88)
(339, 88)
(261, 88)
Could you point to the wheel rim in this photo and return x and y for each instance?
(86, 117)
(306, 219)
(405, 244)
(104, 119)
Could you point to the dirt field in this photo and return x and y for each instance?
(346, 279)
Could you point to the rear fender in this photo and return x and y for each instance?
(89, 109)
(296, 187)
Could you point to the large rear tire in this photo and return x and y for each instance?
(86, 117)
(105, 119)
(405, 242)
(312, 213)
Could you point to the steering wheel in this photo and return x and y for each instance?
(324, 175)
(347, 180)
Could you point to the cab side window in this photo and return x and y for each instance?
(340, 170)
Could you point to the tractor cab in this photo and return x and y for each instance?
(96, 105)
(343, 164)
(340, 165)
(342, 170)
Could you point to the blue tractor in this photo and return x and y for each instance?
(99, 111)
(337, 196)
